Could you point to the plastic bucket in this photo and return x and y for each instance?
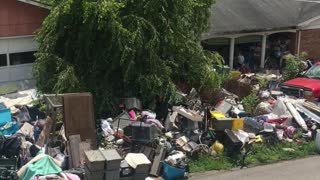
(172, 173)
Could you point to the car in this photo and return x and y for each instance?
(307, 86)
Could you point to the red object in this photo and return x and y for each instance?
(272, 101)
(312, 82)
(279, 121)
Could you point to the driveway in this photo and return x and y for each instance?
(302, 169)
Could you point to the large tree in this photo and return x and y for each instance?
(116, 48)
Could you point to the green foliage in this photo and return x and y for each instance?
(206, 162)
(215, 78)
(263, 82)
(264, 154)
(293, 66)
(115, 48)
(7, 89)
(250, 102)
(261, 154)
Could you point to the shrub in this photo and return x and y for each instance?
(250, 102)
(293, 66)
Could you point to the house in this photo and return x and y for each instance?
(264, 30)
(19, 19)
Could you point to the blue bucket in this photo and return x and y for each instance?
(5, 116)
(172, 173)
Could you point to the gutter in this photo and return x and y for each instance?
(206, 36)
(36, 3)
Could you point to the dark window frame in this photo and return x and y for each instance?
(3, 60)
(21, 58)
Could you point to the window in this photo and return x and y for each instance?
(3, 60)
(22, 58)
(313, 72)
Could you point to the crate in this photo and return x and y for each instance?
(89, 175)
(112, 175)
(94, 160)
(112, 159)
(8, 169)
(5, 116)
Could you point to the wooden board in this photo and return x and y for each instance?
(156, 165)
(84, 146)
(45, 132)
(69, 155)
(79, 116)
(75, 150)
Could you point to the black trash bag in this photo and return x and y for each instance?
(10, 147)
(34, 112)
(270, 138)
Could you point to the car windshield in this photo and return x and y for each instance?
(313, 72)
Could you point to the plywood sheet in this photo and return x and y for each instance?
(75, 150)
(79, 116)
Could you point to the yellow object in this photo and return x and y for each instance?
(235, 74)
(259, 139)
(237, 124)
(216, 114)
(217, 147)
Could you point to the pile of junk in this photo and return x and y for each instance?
(67, 142)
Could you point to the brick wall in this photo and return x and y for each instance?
(310, 43)
(18, 19)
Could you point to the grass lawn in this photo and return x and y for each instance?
(7, 89)
(261, 154)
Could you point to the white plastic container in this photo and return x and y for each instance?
(318, 140)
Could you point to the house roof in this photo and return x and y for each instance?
(245, 16)
(36, 3)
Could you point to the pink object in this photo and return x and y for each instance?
(155, 122)
(148, 114)
(57, 177)
(133, 115)
(290, 131)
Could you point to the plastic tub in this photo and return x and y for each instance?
(5, 116)
(172, 173)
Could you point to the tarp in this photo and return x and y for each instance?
(45, 166)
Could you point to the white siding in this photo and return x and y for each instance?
(16, 45)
